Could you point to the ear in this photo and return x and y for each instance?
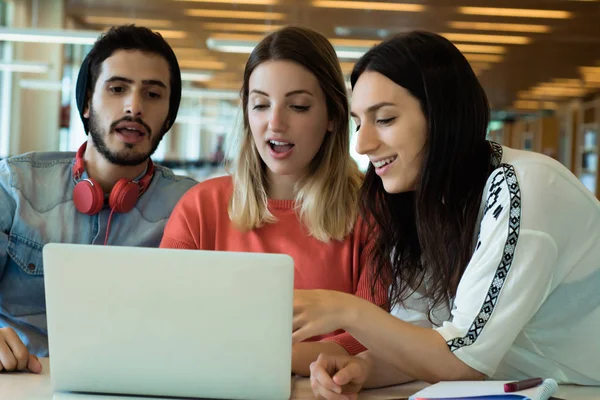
(166, 125)
(330, 126)
(86, 110)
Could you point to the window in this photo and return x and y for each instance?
(72, 134)
(5, 88)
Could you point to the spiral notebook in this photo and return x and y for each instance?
(484, 390)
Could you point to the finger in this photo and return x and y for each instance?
(34, 365)
(7, 358)
(321, 392)
(18, 349)
(298, 302)
(321, 372)
(297, 322)
(348, 374)
(301, 334)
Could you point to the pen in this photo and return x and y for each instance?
(522, 385)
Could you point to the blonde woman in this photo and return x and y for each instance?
(294, 185)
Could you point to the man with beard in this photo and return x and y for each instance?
(109, 192)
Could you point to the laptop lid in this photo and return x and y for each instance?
(163, 322)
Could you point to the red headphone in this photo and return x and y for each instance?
(89, 197)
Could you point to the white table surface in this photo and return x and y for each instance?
(26, 386)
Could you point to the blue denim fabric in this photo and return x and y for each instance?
(36, 208)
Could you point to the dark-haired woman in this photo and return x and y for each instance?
(496, 250)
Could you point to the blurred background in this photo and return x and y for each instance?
(538, 60)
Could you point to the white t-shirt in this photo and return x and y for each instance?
(528, 303)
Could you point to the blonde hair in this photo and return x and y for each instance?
(327, 197)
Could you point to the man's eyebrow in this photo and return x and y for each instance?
(154, 82)
(149, 82)
(119, 79)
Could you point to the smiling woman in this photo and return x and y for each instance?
(490, 254)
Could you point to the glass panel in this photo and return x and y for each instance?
(589, 157)
(5, 89)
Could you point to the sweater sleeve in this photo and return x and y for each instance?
(375, 294)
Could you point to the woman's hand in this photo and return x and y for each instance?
(339, 377)
(318, 312)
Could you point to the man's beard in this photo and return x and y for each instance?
(123, 158)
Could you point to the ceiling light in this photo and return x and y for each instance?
(202, 64)
(479, 48)
(480, 65)
(231, 48)
(166, 33)
(591, 79)
(150, 23)
(169, 34)
(211, 93)
(196, 76)
(248, 37)
(589, 70)
(535, 105)
(215, 26)
(558, 82)
(354, 42)
(234, 14)
(491, 26)
(189, 51)
(231, 45)
(483, 57)
(515, 12)
(349, 53)
(24, 66)
(245, 43)
(369, 5)
(250, 2)
(63, 36)
(542, 92)
(470, 37)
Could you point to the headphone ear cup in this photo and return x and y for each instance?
(123, 196)
(88, 197)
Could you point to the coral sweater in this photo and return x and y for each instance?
(201, 221)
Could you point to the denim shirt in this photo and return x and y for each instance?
(36, 207)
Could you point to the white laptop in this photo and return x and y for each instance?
(172, 323)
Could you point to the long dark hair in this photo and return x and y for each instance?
(427, 236)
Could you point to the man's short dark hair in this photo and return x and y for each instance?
(126, 37)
